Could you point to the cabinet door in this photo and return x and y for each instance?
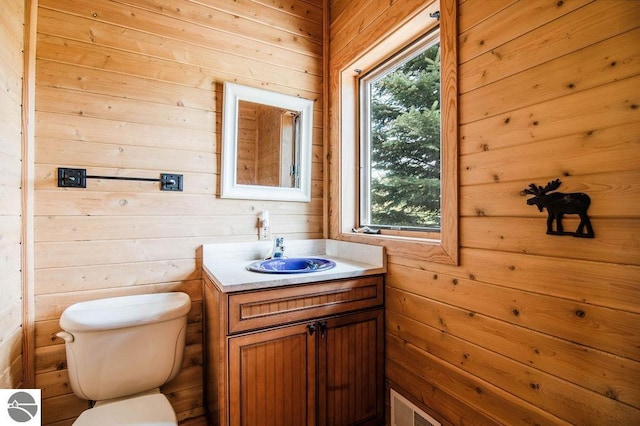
(272, 377)
(351, 369)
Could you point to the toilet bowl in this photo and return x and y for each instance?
(151, 409)
(120, 351)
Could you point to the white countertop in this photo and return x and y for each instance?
(226, 263)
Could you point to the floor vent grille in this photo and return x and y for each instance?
(404, 413)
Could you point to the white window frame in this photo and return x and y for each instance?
(406, 54)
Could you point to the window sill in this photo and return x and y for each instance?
(427, 249)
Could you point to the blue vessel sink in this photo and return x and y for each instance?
(291, 265)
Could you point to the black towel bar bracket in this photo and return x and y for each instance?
(77, 178)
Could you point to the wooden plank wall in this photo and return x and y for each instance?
(134, 88)
(529, 328)
(12, 20)
(247, 144)
(269, 147)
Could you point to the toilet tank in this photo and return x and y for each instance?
(124, 345)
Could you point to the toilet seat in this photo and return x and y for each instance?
(148, 409)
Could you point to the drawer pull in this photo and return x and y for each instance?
(311, 328)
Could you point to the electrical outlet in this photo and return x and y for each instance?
(265, 233)
(264, 226)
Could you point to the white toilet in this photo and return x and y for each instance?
(120, 351)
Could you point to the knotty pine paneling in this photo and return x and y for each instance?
(560, 35)
(471, 16)
(608, 105)
(581, 69)
(11, 72)
(562, 156)
(528, 328)
(483, 35)
(134, 88)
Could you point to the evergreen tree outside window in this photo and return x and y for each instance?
(401, 142)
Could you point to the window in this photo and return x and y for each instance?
(418, 220)
(400, 140)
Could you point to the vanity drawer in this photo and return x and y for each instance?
(277, 306)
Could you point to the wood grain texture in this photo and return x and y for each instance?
(308, 354)
(369, 47)
(548, 89)
(281, 306)
(529, 328)
(274, 375)
(134, 88)
(11, 194)
(350, 355)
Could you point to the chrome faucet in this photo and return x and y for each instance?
(278, 249)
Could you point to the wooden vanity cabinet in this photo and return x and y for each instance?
(351, 370)
(299, 355)
(272, 377)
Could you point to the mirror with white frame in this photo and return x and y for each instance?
(266, 145)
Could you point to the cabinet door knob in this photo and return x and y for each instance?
(311, 328)
(323, 328)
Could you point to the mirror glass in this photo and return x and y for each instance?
(266, 147)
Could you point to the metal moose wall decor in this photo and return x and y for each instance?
(558, 204)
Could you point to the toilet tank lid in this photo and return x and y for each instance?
(125, 311)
